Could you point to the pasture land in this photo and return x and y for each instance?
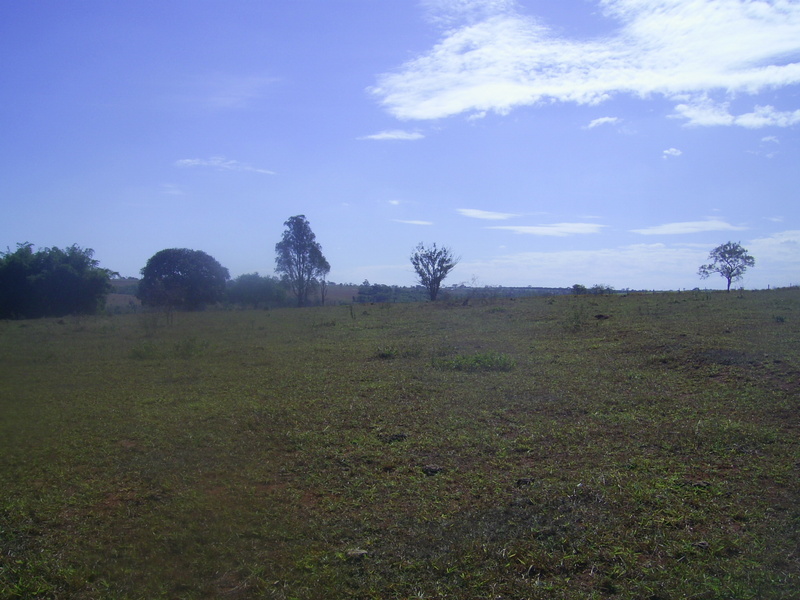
(640, 446)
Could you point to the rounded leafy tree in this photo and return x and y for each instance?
(728, 260)
(182, 278)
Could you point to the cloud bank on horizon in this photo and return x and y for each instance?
(699, 54)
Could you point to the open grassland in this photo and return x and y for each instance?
(508, 449)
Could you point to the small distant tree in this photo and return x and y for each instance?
(299, 258)
(599, 289)
(579, 289)
(324, 269)
(183, 279)
(432, 265)
(730, 260)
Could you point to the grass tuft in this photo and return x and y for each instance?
(479, 361)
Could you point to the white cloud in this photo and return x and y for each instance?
(475, 213)
(777, 259)
(771, 139)
(450, 13)
(671, 152)
(220, 163)
(395, 134)
(767, 116)
(688, 227)
(703, 111)
(491, 57)
(783, 247)
(553, 229)
(602, 121)
(413, 222)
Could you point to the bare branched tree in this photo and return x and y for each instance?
(432, 265)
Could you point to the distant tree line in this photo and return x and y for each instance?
(256, 291)
(51, 282)
(596, 290)
(379, 293)
(55, 282)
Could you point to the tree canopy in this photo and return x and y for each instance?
(432, 265)
(51, 282)
(730, 260)
(182, 278)
(299, 258)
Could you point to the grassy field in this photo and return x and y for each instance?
(631, 447)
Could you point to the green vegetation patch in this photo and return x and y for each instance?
(477, 361)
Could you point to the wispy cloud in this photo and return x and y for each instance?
(395, 134)
(452, 13)
(170, 189)
(688, 227)
(602, 121)
(413, 222)
(223, 91)
(703, 111)
(553, 229)
(671, 152)
(222, 164)
(475, 213)
(492, 57)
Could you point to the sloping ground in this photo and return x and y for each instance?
(502, 449)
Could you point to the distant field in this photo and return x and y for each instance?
(626, 447)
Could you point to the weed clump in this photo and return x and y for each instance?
(144, 351)
(387, 352)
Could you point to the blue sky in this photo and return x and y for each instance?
(547, 142)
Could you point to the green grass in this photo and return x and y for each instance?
(510, 449)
